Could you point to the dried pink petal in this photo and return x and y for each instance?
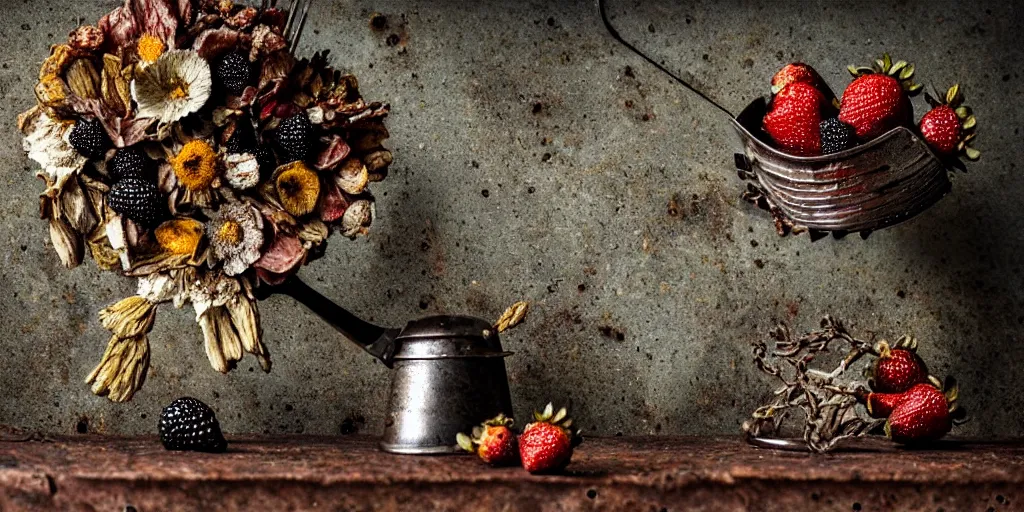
(333, 204)
(333, 154)
(122, 26)
(283, 256)
(215, 42)
(265, 41)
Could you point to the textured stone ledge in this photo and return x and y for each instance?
(634, 474)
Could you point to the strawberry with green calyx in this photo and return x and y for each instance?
(898, 367)
(546, 445)
(878, 98)
(493, 441)
(800, 72)
(794, 117)
(926, 414)
(949, 125)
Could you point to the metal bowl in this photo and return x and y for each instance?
(885, 181)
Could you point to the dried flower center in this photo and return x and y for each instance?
(196, 165)
(179, 89)
(150, 48)
(230, 232)
(298, 188)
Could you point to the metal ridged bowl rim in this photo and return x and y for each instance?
(833, 157)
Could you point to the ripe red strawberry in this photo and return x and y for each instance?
(546, 444)
(493, 441)
(877, 99)
(897, 369)
(926, 414)
(949, 125)
(880, 405)
(793, 119)
(796, 72)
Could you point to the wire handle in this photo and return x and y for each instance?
(615, 34)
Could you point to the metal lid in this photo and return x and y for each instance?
(445, 337)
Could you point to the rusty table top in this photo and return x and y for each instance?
(349, 473)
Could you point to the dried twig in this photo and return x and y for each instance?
(829, 407)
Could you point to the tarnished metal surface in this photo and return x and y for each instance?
(871, 186)
(449, 376)
(614, 474)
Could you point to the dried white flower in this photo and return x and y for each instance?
(161, 287)
(242, 170)
(236, 235)
(211, 290)
(176, 85)
(47, 143)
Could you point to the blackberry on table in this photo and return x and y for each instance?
(190, 425)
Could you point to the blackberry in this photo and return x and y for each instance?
(138, 200)
(130, 162)
(295, 135)
(89, 138)
(836, 135)
(234, 72)
(188, 424)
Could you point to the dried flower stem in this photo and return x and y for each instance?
(829, 407)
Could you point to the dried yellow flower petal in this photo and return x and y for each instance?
(298, 189)
(179, 236)
(122, 369)
(512, 316)
(58, 61)
(83, 79)
(51, 91)
(129, 317)
(196, 165)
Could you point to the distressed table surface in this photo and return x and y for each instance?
(349, 473)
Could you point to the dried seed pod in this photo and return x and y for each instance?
(352, 177)
(357, 218)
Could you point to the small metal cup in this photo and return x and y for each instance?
(449, 376)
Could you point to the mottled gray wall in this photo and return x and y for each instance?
(536, 159)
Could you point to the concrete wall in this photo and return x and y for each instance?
(535, 158)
